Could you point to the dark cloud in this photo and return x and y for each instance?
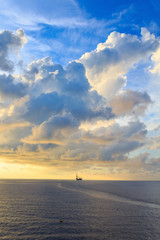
(135, 130)
(29, 148)
(8, 87)
(46, 147)
(46, 105)
(43, 107)
(118, 149)
(77, 83)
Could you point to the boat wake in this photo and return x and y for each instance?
(108, 196)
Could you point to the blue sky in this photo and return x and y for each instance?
(74, 27)
(79, 89)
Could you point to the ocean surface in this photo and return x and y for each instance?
(90, 210)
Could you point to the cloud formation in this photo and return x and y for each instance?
(81, 113)
(55, 90)
(10, 42)
(8, 88)
(107, 65)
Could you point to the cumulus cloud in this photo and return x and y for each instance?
(56, 129)
(107, 65)
(10, 42)
(73, 113)
(57, 90)
(44, 76)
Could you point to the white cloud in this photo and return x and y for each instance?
(156, 60)
(107, 66)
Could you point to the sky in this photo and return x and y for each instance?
(79, 89)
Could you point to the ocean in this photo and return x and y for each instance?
(88, 210)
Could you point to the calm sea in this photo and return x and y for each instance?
(108, 210)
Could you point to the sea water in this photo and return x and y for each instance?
(96, 210)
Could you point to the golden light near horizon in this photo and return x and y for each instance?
(111, 173)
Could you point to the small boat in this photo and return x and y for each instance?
(78, 178)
